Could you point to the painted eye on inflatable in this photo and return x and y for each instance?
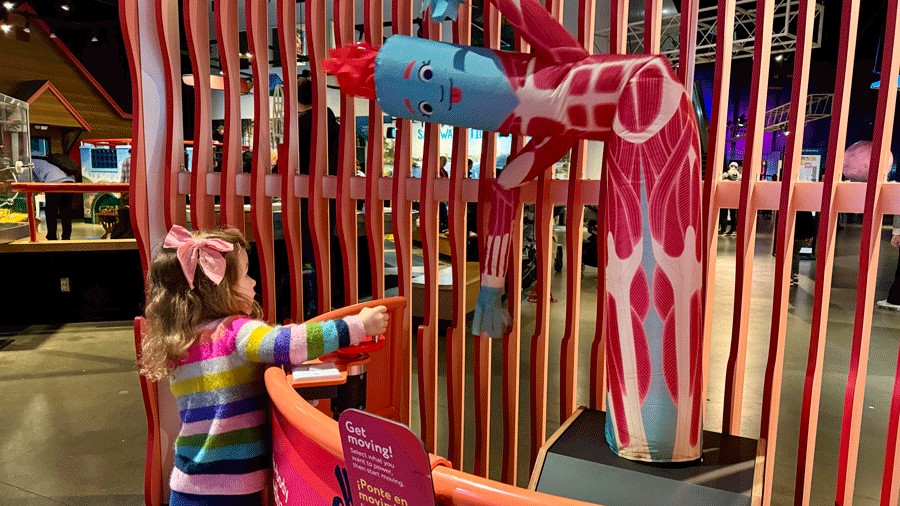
(425, 73)
(425, 108)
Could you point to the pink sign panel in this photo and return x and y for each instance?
(386, 463)
(303, 471)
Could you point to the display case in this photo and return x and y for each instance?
(15, 166)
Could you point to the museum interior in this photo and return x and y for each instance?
(448, 252)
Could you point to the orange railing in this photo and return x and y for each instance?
(450, 485)
(159, 199)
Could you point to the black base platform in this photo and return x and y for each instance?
(577, 463)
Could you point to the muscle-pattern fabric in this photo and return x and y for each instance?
(635, 105)
(223, 447)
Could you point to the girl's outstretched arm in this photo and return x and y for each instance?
(297, 343)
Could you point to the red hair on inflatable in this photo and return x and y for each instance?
(354, 67)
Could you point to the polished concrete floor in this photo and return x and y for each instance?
(74, 426)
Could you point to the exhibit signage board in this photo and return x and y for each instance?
(385, 462)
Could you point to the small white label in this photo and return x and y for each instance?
(316, 371)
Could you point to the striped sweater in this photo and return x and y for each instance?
(222, 448)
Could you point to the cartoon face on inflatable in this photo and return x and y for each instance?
(436, 82)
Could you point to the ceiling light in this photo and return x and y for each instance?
(9, 6)
(65, 6)
(787, 132)
(52, 35)
(5, 28)
(779, 57)
(95, 39)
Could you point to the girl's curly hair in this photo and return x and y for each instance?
(174, 310)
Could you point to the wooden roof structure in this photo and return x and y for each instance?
(59, 89)
(47, 105)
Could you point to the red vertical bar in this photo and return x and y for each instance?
(568, 367)
(483, 350)
(809, 417)
(890, 481)
(397, 360)
(652, 26)
(511, 350)
(687, 46)
(618, 36)
(261, 205)
(374, 33)
(170, 50)
(428, 225)
(543, 227)
(401, 210)
(456, 334)
(196, 28)
(543, 230)
(319, 220)
(868, 260)
(618, 26)
(746, 239)
(129, 16)
(344, 34)
(139, 212)
(715, 157)
(231, 205)
(784, 239)
(597, 380)
(482, 366)
(288, 155)
(29, 206)
(386, 399)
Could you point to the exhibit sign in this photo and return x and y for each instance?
(385, 462)
(810, 165)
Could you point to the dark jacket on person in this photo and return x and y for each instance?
(305, 133)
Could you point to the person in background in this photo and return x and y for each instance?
(442, 167)
(805, 228)
(125, 169)
(305, 135)
(305, 127)
(56, 168)
(443, 207)
(219, 133)
(728, 217)
(892, 301)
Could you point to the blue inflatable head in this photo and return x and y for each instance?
(436, 82)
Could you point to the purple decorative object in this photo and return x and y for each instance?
(857, 159)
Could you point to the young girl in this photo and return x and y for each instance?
(204, 336)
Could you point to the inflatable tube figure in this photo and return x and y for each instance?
(557, 95)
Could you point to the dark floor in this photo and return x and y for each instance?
(74, 425)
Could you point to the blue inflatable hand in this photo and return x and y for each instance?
(441, 9)
(491, 315)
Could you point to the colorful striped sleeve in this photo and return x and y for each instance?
(294, 344)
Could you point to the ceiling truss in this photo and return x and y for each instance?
(784, 32)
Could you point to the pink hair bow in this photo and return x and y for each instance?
(191, 250)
